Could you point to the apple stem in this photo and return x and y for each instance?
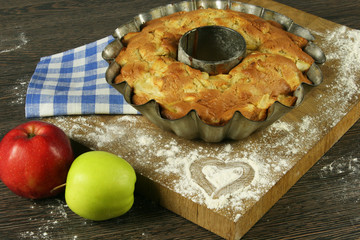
(57, 187)
(31, 135)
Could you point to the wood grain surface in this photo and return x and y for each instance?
(322, 204)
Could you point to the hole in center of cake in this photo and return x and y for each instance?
(213, 49)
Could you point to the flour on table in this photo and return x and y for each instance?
(49, 223)
(220, 178)
(18, 91)
(345, 172)
(349, 165)
(144, 140)
(342, 47)
(9, 45)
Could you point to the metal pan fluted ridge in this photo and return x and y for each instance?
(191, 126)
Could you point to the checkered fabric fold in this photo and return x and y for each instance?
(73, 83)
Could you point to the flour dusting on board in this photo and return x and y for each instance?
(342, 48)
(220, 176)
(346, 44)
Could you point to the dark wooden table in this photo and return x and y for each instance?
(324, 204)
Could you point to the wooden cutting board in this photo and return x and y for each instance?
(227, 187)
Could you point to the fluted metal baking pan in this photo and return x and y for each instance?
(191, 126)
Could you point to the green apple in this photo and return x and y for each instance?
(100, 186)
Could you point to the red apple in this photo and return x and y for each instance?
(35, 157)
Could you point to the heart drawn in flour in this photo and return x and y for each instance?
(219, 178)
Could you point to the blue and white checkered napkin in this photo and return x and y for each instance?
(73, 83)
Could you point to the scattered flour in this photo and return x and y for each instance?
(345, 165)
(347, 45)
(342, 48)
(18, 92)
(20, 41)
(144, 140)
(220, 178)
(345, 172)
(55, 217)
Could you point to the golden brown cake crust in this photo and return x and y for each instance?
(272, 70)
